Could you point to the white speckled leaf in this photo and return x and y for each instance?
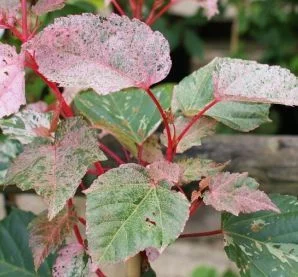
(55, 170)
(106, 54)
(46, 236)
(202, 128)
(71, 262)
(236, 193)
(264, 243)
(127, 213)
(129, 115)
(45, 6)
(26, 125)
(240, 80)
(197, 90)
(12, 81)
(193, 169)
(164, 170)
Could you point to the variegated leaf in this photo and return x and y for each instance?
(55, 170)
(45, 6)
(127, 213)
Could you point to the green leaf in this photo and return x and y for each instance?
(9, 149)
(15, 255)
(127, 212)
(195, 168)
(55, 170)
(46, 236)
(129, 115)
(26, 125)
(264, 243)
(204, 271)
(193, 44)
(196, 90)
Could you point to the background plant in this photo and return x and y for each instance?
(137, 203)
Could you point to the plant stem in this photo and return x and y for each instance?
(78, 235)
(24, 20)
(166, 123)
(118, 7)
(133, 266)
(195, 119)
(203, 234)
(150, 20)
(111, 153)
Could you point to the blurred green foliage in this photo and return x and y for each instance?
(207, 271)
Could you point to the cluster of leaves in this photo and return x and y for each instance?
(140, 204)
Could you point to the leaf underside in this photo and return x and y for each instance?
(127, 212)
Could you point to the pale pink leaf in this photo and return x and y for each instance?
(202, 128)
(40, 107)
(152, 150)
(9, 10)
(106, 54)
(70, 262)
(46, 236)
(236, 193)
(12, 82)
(70, 93)
(209, 6)
(45, 6)
(249, 81)
(164, 170)
(152, 253)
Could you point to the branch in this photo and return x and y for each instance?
(203, 234)
(118, 7)
(112, 154)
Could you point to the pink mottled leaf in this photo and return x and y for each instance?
(45, 6)
(106, 54)
(152, 253)
(46, 236)
(40, 107)
(12, 82)
(202, 128)
(70, 262)
(236, 193)
(164, 170)
(9, 10)
(249, 81)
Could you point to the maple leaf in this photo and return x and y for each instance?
(249, 81)
(106, 54)
(202, 128)
(12, 82)
(45, 6)
(55, 170)
(235, 193)
(164, 170)
(70, 261)
(46, 236)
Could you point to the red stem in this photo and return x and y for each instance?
(152, 19)
(99, 273)
(111, 153)
(203, 234)
(195, 119)
(99, 168)
(166, 123)
(118, 7)
(24, 20)
(78, 235)
(82, 220)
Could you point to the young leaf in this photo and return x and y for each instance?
(9, 9)
(106, 54)
(26, 125)
(202, 128)
(193, 169)
(164, 170)
(264, 243)
(15, 255)
(240, 80)
(236, 193)
(71, 262)
(152, 150)
(46, 236)
(55, 170)
(197, 90)
(45, 6)
(9, 149)
(12, 81)
(127, 213)
(129, 115)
